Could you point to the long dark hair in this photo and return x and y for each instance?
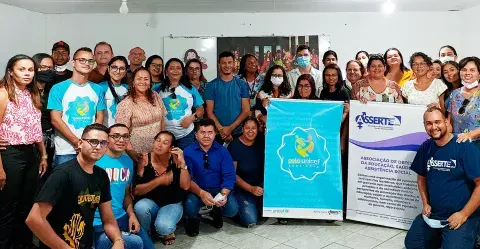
(182, 81)
(242, 71)
(267, 86)
(8, 83)
(108, 79)
(132, 91)
(202, 77)
(37, 58)
(402, 65)
(457, 66)
(340, 81)
(149, 62)
(310, 80)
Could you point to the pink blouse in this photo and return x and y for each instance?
(21, 123)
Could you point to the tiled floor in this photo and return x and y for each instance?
(300, 234)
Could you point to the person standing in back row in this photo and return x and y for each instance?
(61, 56)
(74, 104)
(227, 99)
(304, 55)
(103, 53)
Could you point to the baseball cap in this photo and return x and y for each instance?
(61, 44)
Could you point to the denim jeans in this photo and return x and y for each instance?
(249, 207)
(60, 159)
(193, 204)
(422, 236)
(166, 217)
(184, 142)
(132, 241)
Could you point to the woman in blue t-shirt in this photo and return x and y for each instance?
(114, 87)
(179, 97)
(154, 65)
(248, 157)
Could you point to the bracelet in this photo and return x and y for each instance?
(45, 157)
(120, 239)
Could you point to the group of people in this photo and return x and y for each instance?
(115, 151)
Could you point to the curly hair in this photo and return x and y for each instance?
(132, 92)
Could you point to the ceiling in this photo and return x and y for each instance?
(219, 6)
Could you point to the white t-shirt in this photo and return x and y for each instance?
(179, 107)
(294, 74)
(79, 105)
(426, 97)
(111, 104)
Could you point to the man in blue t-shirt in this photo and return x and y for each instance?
(227, 99)
(119, 168)
(449, 185)
(74, 104)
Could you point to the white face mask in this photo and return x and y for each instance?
(364, 62)
(435, 223)
(277, 81)
(61, 68)
(470, 85)
(447, 58)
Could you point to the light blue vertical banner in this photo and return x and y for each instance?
(303, 172)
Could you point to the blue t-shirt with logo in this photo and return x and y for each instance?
(180, 106)
(119, 171)
(228, 100)
(79, 105)
(111, 105)
(450, 171)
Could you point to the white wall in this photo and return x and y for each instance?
(22, 32)
(349, 32)
(470, 36)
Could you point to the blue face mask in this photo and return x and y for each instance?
(435, 223)
(303, 61)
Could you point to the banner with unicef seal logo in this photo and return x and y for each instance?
(303, 177)
(383, 140)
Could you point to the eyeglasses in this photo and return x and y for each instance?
(421, 65)
(118, 69)
(172, 91)
(277, 75)
(206, 163)
(117, 137)
(304, 86)
(156, 65)
(96, 142)
(84, 61)
(464, 106)
(194, 69)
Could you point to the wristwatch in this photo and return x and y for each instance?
(45, 157)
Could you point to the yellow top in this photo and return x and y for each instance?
(407, 75)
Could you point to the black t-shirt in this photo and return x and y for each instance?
(75, 195)
(250, 160)
(46, 120)
(162, 195)
(339, 94)
(59, 78)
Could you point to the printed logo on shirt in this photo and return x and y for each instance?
(176, 107)
(85, 198)
(73, 232)
(81, 112)
(382, 123)
(441, 165)
(303, 154)
(118, 175)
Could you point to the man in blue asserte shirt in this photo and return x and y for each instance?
(212, 172)
(449, 185)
